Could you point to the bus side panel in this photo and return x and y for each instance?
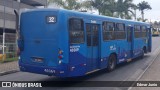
(77, 55)
(123, 51)
(107, 47)
(77, 59)
(137, 47)
(117, 47)
(140, 44)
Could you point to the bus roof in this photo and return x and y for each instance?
(88, 15)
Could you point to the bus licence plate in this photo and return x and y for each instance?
(35, 59)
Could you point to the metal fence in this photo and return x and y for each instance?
(10, 47)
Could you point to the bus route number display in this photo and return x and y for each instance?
(51, 19)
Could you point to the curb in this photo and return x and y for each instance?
(157, 52)
(9, 72)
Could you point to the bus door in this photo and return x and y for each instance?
(92, 32)
(130, 41)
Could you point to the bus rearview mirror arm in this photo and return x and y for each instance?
(17, 20)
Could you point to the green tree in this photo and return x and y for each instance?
(156, 24)
(109, 8)
(140, 19)
(98, 4)
(135, 7)
(104, 7)
(143, 6)
(114, 8)
(87, 5)
(124, 8)
(117, 8)
(67, 4)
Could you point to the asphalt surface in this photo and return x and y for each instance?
(124, 72)
(151, 74)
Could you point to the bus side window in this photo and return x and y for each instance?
(108, 31)
(88, 30)
(137, 31)
(76, 31)
(120, 31)
(95, 35)
(129, 36)
(144, 31)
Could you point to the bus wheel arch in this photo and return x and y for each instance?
(145, 49)
(112, 61)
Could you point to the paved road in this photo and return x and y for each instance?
(151, 74)
(124, 72)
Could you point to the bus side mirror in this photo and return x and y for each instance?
(17, 20)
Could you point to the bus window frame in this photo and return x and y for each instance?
(120, 30)
(146, 31)
(129, 33)
(137, 30)
(108, 30)
(83, 25)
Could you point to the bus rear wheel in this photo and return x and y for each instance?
(111, 63)
(142, 56)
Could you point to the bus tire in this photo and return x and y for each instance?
(142, 56)
(145, 49)
(111, 63)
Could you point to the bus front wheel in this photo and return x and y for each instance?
(111, 63)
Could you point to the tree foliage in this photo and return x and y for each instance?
(115, 8)
(143, 6)
(124, 8)
(67, 4)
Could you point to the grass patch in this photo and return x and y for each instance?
(9, 60)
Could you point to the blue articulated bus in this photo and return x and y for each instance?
(66, 43)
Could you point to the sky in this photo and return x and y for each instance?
(152, 15)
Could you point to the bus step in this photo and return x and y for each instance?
(92, 71)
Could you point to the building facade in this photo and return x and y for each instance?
(7, 11)
(8, 21)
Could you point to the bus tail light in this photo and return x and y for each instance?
(83, 64)
(60, 56)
